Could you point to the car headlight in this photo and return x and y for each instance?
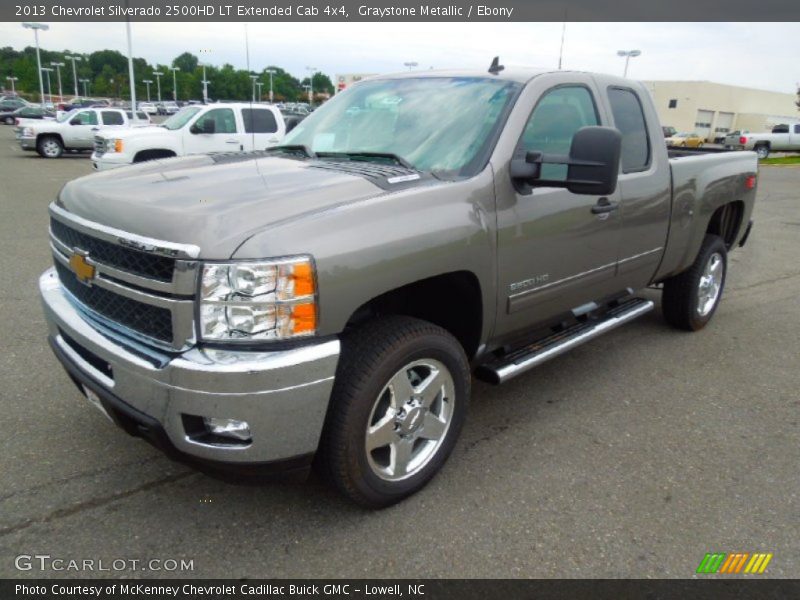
(27, 132)
(258, 300)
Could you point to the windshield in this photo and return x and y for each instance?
(180, 118)
(438, 124)
(67, 115)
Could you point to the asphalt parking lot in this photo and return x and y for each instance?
(632, 456)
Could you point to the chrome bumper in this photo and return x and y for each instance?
(27, 143)
(283, 395)
(104, 162)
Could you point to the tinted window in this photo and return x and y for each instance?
(112, 117)
(780, 129)
(629, 119)
(556, 118)
(797, 128)
(85, 118)
(224, 121)
(259, 121)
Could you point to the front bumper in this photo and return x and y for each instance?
(27, 143)
(108, 161)
(283, 395)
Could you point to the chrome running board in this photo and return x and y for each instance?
(517, 362)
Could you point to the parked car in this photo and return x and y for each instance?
(27, 112)
(765, 143)
(12, 103)
(148, 107)
(169, 108)
(334, 295)
(669, 131)
(193, 130)
(685, 140)
(72, 131)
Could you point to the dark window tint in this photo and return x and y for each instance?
(556, 118)
(112, 117)
(673, 103)
(782, 128)
(797, 128)
(259, 120)
(629, 119)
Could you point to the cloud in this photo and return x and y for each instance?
(734, 53)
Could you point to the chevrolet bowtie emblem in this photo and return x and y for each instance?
(82, 269)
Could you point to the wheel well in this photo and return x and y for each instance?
(762, 143)
(52, 135)
(452, 301)
(152, 155)
(726, 221)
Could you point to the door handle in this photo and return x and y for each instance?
(231, 141)
(603, 206)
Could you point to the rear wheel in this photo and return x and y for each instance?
(9, 120)
(762, 151)
(397, 407)
(49, 147)
(690, 298)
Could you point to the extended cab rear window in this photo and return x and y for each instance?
(629, 119)
(112, 117)
(259, 120)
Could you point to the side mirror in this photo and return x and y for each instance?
(204, 126)
(592, 164)
(75, 121)
(291, 123)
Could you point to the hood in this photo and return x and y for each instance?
(213, 201)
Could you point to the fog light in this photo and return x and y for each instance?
(230, 428)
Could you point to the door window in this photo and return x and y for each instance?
(224, 120)
(629, 119)
(85, 118)
(112, 117)
(559, 114)
(259, 121)
(797, 128)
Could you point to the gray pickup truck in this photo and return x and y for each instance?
(329, 300)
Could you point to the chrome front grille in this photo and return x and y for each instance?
(99, 145)
(140, 287)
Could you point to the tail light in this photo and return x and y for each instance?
(16, 121)
(742, 140)
(750, 182)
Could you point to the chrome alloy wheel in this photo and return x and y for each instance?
(51, 148)
(710, 284)
(410, 419)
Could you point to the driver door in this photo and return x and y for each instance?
(225, 138)
(557, 251)
(82, 129)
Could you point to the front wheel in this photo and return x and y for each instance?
(690, 298)
(49, 147)
(398, 404)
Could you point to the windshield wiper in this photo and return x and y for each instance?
(294, 148)
(368, 155)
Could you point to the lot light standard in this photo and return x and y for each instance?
(205, 80)
(175, 82)
(311, 71)
(158, 83)
(74, 71)
(258, 85)
(36, 27)
(253, 78)
(271, 73)
(48, 70)
(410, 65)
(85, 82)
(58, 66)
(12, 80)
(628, 54)
(147, 82)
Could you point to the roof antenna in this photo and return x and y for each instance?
(496, 67)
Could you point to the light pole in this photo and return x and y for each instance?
(311, 71)
(131, 76)
(74, 71)
(36, 27)
(48, 70)
(258, 85)
(58, 66)
(175, 83)
(410, 65)
(628, 54)
(85, 82)
(271, 73)
(147, 82)
(12, 80)
(158, 83)
(205, 80)
(253, 78)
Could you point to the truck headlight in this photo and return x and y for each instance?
(27, 132)
(258, 300)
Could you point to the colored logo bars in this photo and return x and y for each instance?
(721, 562)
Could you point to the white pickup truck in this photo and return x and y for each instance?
(235, 127)
(786, 139)
(75, 130)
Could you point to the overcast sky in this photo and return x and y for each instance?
(757, 55)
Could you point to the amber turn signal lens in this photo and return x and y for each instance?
(303, 279)
(304, 318)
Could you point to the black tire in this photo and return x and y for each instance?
(373, 356)
(49, 146)
(681, 298)
(762, 150)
